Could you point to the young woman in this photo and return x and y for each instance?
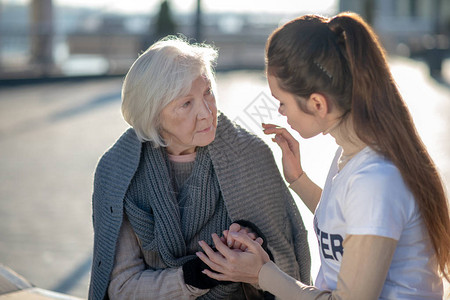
(382, 219)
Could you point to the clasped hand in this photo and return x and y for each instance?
(239, 256)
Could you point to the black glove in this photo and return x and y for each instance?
(255, 229)
(192, 273)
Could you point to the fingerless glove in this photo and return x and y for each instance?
(192, 273)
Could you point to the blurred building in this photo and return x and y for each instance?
(91, 42)
(82, 41)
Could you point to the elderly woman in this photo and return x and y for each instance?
(181, 173)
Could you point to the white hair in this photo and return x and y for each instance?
(164, 72)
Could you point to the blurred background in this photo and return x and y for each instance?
(54, 38)
(62, 63)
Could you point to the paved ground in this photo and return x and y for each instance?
(51, 136)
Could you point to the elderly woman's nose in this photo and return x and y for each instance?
(205, 110)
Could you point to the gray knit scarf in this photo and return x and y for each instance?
(165, 227)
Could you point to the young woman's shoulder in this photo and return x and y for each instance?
(377, 173)
(377, 199)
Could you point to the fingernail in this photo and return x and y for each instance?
(200, 243)
(234, 234)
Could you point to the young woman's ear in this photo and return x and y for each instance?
(318, 104)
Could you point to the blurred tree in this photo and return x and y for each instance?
(165, 24)
(369, 11)
(1, 53)
(198, 22)
(438, 51)
(42, 36)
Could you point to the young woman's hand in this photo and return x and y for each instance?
(232, 265)
(290, 148)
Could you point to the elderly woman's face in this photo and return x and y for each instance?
(191, 120)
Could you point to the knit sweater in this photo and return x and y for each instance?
(250, 183)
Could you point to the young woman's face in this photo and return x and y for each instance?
(190, 121)
(306, 124)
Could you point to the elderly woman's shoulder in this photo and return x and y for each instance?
(123, 156)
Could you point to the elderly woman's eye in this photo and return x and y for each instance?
(186, 104)
(209, 91)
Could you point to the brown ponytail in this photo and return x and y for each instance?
(360, 83)
(381, 118)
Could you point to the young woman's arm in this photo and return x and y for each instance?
(307, 190)
(365, 265)
(364, 268)
(293, 172)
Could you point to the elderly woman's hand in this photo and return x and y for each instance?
(232, 265)
(250, 230)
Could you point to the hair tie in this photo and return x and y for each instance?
(337, 30)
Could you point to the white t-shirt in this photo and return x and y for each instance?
(368, 197)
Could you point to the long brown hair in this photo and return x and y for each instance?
(342, 58)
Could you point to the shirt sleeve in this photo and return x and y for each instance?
(378, 202)
(359, 277)
(131, 279)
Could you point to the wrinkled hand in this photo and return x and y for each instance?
(234, 244)
(290, 149)
(232, 265)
